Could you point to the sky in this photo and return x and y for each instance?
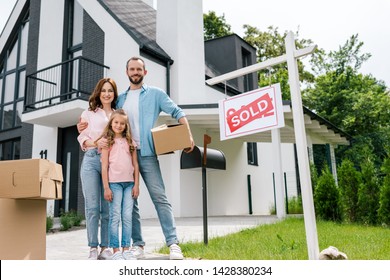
(329, 24)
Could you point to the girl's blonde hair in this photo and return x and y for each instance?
(109, 134)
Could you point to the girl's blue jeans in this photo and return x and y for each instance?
(121, 209)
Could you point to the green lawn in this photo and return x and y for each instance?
(286, 240)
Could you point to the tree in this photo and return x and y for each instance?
(358, 104)
(214, 26)
(270, 44)
(368, 194)
(348, 56)
(384, 199)
(327, 197)
(349, 182)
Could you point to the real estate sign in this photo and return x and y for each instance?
(251, 112)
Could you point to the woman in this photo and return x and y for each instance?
(101, 105)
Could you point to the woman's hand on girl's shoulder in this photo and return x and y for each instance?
(102, 143)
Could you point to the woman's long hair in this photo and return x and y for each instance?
(94, 99)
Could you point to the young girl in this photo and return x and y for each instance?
(120, 175)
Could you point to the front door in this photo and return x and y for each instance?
(69, 152)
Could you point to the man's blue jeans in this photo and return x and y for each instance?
(121, 209)
(151, 174)
(96, 208)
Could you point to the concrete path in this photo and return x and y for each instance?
(72, 245)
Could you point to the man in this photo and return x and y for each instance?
(143, 104)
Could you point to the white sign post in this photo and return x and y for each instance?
(291, 56)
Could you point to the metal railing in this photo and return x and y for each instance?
(62, 82)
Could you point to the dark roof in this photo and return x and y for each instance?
(231, 36)
(139, 20)
(321, 120)
(211, 72)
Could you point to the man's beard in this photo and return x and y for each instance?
(136, 82)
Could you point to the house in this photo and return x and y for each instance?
(53, 52)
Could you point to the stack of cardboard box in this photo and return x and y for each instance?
(25, 185)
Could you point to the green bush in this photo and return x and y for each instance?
(368, 194)
(66, 222)
(76, 218)
(349, 180)
(70, 219)
(49, 223)
(295, 205)
(384, 198)
(327, 197)
(313, 175)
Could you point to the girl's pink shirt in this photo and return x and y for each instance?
(97, 121)
(120, 164)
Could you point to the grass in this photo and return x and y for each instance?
(286, 240)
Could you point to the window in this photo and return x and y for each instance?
(12, 81)
(74, 16)
(9, 90)
(247, 61)
(10, 150)
(252, 153)
(74, 25)
(7, 116)
(12, 55)
(77, 28)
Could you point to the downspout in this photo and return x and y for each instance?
(168, 78)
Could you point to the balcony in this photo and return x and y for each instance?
(56, 96)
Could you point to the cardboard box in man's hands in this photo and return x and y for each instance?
(170, 138)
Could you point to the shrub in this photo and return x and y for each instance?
(313, 175)
(70, 219)
(384, 198)
(327, 197)
(49, 223)
(295, 205)
(66, 222)
(76, 218)
(349, 180)
(368, 194)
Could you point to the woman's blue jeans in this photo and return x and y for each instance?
(96, 207)
(121, 209)
(151, 174)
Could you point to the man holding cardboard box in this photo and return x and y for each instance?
(143, 105)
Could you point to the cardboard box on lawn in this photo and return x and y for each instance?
(23, 229)
(30, 178)
(169, 138)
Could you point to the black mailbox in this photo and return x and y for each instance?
(203, 158)
(215, 159)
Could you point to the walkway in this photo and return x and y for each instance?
(72, 245)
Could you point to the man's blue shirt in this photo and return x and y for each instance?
(152, 101)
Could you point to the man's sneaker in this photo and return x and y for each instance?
(137, 252)
(117, 256)
(106, 254)
(93, 254)
(128, 255)
(175, 252)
